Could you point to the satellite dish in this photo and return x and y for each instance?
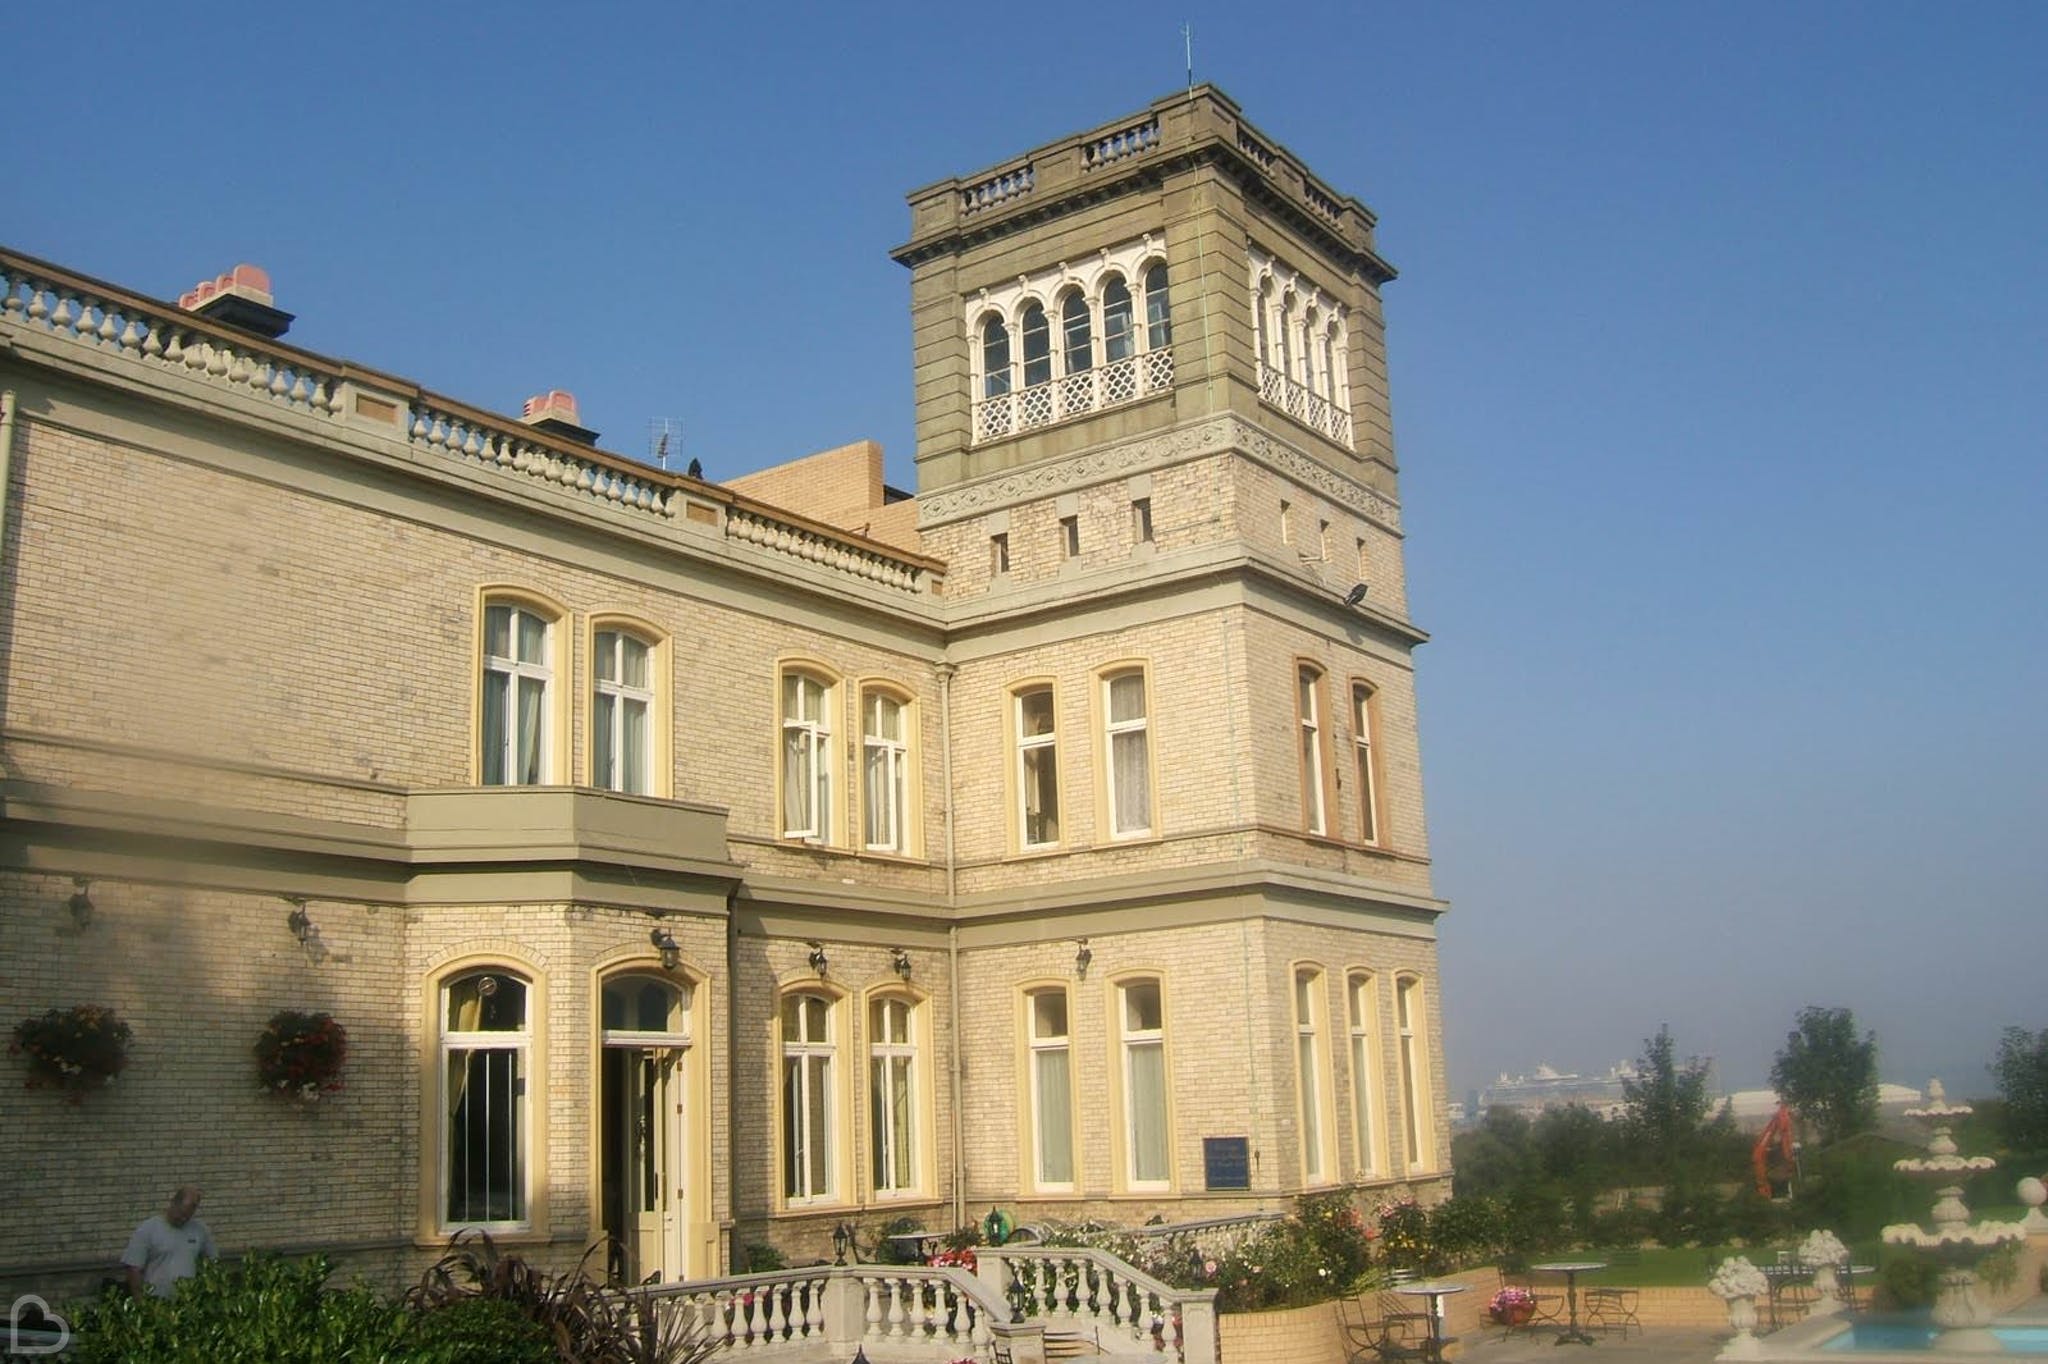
(1355, 595)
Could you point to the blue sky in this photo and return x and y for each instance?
(1720, 357)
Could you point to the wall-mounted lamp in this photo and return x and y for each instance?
(842, 1241)
(994, 1227)
(1082, 956)
(899, 962)
(298, 921)
(80, 903)
(665, 942)
(816, 957)
(1355, 595)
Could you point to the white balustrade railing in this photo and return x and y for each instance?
(1124, 142)
(1072, 1287)
(1309, 408)
(162, 336)
(1073, 395)
(915, 1311)
(42, 299)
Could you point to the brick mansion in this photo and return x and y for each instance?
(698, 866)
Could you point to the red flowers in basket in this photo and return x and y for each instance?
(301, 1054)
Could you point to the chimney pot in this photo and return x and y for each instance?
(241, 298)
(555, 412)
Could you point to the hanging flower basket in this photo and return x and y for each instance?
(80, 1048)
(300, 1055)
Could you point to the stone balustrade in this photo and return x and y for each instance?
(42, 300)
(910, 1312)
(1309, 408)
(1122, 144)
(997, 189)
(1069, 1288)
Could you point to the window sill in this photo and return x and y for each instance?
(786, 1213)
(439, 1238)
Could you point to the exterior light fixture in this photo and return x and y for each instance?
(816, 957)
(298, 921)
(80, 903)
(842, 1241)
(899, 962)
(665, 942)
(1082, 956)
(1355, 595)
(993, 1226)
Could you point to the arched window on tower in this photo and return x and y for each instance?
(995, 357)
(1158, 309)
(1037, 347)
(1117, 341)
(1076, 352)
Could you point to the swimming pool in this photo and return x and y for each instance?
(1919, 1335)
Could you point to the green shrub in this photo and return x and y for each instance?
(1404, 1236)
(1532, 1222)
(1852, 1189)
(1910, 1280)
(761, 1259)
(1467, 1230)
(1756, 1220)
(477, 1330)
(261, 1311)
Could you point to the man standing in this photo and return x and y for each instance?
(168, 1247)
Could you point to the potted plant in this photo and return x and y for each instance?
(80, 1048)
(300, 1055)
(1512, 1306)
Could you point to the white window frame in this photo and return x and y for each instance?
(513, 670)
(1362, 1004)
(887, 1055)
(1037, 1047)
(1113, 730)
(1308, 1055)
(798, 1133)
(1131, 1042)
(810, 734)
(1370, 830)
(1408, 1002)
(1027, 744)
(623, 696)
(517, 1041)
(1308, 688)
(885, 824)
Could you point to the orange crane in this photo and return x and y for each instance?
(1778, 1132)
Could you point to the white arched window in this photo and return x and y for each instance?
(894, 1094)
(1158, 309)
(1052, 1097)
(1141, 1042)
(1127, 737)
(806, 757)
(518, 695)
(1414, 1058)
(1300, 336)
(1076, 328)
(995, 357)
(885, 773)
(1037, 346)
(1309, 1062)
(621, 713)
(810, 1062)
(485, 1042)
(1363, 1012)
(1117, 339)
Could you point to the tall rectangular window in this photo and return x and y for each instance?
(1070, 537)
(998, 554)
(1141, 521)
(806, 758)
(1130, 757)
(1363, 1008)
(1142, 1039)
(1368, 785)
(1038, 770)
(1052, 1099)
(1308, 993)
(621, 704)
(518, 676)
(809, 1053)
(485, 1040)
(1308, 708)
(885, 767)
(1414, 1071)
(892, 1104)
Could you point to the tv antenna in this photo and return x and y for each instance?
(664, 438)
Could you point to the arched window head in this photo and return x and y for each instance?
(1037, 347)
(995, 357)
(1158, 309)
(1117, 339)
(1076, 354)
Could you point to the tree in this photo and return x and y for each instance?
(2022, 1071)
(1827, 1075)
(1665, 1106)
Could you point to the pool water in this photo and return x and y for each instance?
(1919, 1335)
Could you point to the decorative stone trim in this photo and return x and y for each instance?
(1126, 458)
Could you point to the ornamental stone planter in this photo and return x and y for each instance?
(1741, 1316)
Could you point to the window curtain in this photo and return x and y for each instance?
(1311, 1108)
(532, 693)
(1133, 781)
(1148, 1112)
(1055, 1119)
(495, 685)
(796, 781)
(634, 722)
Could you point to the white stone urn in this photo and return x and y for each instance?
(2033, 1193)
(1738, 1282)
(1823, 1253)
